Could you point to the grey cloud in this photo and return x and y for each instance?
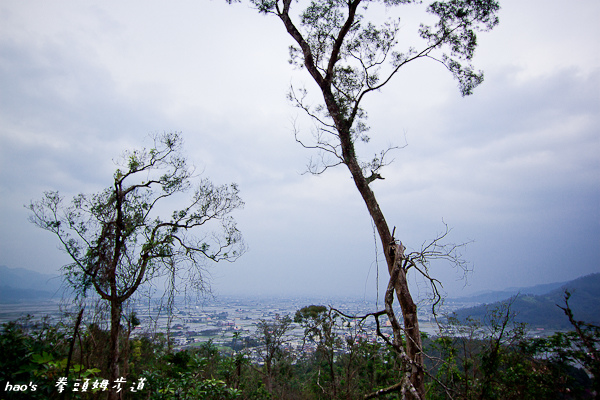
(514, 167)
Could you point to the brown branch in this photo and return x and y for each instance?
(335, 51)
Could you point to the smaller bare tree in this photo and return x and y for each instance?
(272, 337)
(118, 239)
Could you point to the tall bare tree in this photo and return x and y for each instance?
(349, 58)
(119, 239)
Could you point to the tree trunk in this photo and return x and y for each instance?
(115, 328)
(407, 305)
(75, 333)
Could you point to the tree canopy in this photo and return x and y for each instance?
(120, 238)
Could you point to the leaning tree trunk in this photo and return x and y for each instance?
(407, 305)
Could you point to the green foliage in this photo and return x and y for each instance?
(345, 363)
(489, 359)
(186, 379)
(580, 347)
(494, 359)
(35, 354)
(309, 312)
(191, 374)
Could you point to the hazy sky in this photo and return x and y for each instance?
(515, 167)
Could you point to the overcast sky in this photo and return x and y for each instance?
(515, 168)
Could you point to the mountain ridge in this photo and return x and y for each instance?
(490, 296)
(544, 310)
(18, 285)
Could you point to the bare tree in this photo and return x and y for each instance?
(585, 344)
(271, 335)
(321, 329)
(349, 58)
(118, 239)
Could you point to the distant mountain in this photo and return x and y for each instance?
(542, 310)
(499, 295)
(19, 285)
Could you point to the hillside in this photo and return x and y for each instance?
(542, 310)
